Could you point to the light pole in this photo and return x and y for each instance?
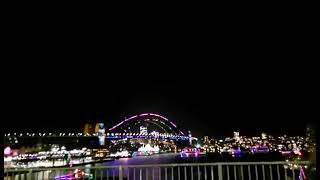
(190, 138)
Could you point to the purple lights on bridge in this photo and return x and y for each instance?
(144, 114)
(163, 118)
(157, 115)
(173, 124)
(123, 122)
(148, 137)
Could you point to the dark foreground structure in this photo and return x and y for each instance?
(196, 171)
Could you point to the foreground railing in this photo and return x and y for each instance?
(191, 171)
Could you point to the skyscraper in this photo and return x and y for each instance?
(206, 139)
(310, 130)
(88, 128)
(236, 136)
(190, 137)
(263, 135)
(143, 130)
(311, 135)
(101, 133)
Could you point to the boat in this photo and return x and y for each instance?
(260, 149)
(121, 154)
(77, 174)
(142, 153)
(192, 152)
(146, 150)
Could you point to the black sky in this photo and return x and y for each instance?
(207, 103)
(181, 77)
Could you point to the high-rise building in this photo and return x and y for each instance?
(190, 137)
(310, 130)
(206, 139)
(236, 136)
(263, 136)
(311, 136)
(88, 128)
(143, 130)
(100, 129)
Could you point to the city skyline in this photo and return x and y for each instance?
(210, 108)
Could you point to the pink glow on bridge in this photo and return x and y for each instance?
(131, 118)
(144, 114)
(157, 115)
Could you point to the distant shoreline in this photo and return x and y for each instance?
(74, 165)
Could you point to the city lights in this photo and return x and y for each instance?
(144, 135)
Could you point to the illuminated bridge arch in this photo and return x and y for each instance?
(151, 118)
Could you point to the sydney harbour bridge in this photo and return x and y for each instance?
(141, 126)
(147, 125)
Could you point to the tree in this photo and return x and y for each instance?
(312, 173)
(27, 150)
(22, 150)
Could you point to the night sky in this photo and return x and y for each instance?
(212, 83)
(213, 103)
